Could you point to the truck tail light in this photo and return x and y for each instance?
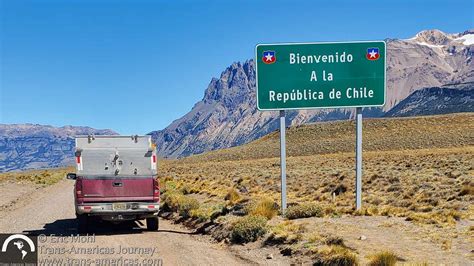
(79, 187)
(79, 163)
(153, 162)
(156, 190)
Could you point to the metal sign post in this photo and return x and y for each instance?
(283, 160)
(358, 158)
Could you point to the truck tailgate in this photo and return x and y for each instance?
(117, 189)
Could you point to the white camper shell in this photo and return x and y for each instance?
(115, 156)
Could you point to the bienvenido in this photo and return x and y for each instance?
(316, 59)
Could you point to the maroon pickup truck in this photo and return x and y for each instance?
(115, 180)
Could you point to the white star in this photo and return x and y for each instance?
(268, 57)
(372, 54)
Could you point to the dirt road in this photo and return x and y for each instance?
(49, 211)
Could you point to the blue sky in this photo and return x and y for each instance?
(135, 66)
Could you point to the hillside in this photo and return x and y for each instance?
(417, 189)
(227, 114)
(28, 146)
(432, 101)
(379, 134)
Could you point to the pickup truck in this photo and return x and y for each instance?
(115, 180)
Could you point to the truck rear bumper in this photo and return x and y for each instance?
(117, 211)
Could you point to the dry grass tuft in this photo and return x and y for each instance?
(334, 240)
(383, 258)
(206, 212)
(232, 196)
(174, 200)
(286, 232)
(186, 205)
(248, 229)
(304, 211)
(336, 255)
(467, 190)
(265, 207)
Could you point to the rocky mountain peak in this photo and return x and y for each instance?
(234, 84)
(433, 37)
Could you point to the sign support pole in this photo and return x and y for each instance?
(358, 158)
(283, 161)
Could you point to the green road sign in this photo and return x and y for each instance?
(320, 75)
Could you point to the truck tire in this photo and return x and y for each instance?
(83, 223)
(152, 224)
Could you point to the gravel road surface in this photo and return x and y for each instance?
(49, 211)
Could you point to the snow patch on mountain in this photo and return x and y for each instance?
(467, 39)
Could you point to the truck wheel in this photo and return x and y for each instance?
(152, 224)
(83, 223)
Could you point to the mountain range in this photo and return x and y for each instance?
(431, 73)
(28, 146)
(435, 101)
(227, 115)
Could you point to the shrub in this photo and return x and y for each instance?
(170, 200)
(335, 256)
(232, 196)
(372, 210)
(248, 229)
(185, 205)
(265, 207)
(175, 201)
(304, 211)
(185, 189)
(454, 215)
(383, 258)
(361, 212)
(206, 212)
(467, 190)
(334, 240)
(168, 186)
(286, 232)
(332, 211)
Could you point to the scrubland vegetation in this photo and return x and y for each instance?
(40, 177)
(418, 173)
(424, 132)
(418, 192)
